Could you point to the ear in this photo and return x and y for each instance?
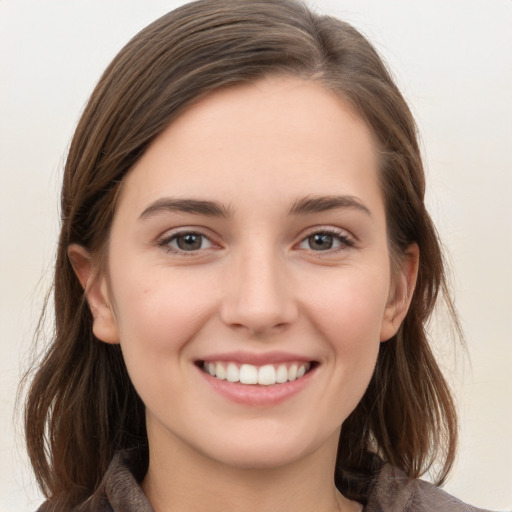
(95, 287)
(401, 293)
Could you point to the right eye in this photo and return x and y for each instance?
(186, 242)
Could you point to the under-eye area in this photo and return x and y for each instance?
(264, 375)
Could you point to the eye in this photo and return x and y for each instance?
(186, 242)
(325, 241)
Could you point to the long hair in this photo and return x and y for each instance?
(81, 406)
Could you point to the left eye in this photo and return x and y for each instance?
(187, 242)
(324, 241)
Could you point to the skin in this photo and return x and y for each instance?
(255, 283)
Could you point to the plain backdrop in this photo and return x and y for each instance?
(453, 61)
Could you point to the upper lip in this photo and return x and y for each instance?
(256, 359)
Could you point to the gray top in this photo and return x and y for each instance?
(391, 491)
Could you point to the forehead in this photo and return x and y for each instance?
(280, 135)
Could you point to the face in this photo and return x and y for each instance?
(248, 276)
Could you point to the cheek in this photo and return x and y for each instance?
(350, 309)
(157, 315)
(349, 314)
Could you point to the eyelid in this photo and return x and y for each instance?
(347, 239)
(170, 235)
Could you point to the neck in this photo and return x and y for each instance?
(182, 480)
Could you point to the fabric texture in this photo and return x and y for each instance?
(392, 491)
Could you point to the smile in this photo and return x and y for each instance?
(266, 375)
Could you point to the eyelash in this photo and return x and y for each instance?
(345, 242)
(166, 242)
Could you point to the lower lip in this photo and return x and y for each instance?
(257, 395)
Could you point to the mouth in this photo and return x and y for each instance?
(264, 375)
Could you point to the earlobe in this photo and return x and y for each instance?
(401, 294)
(96, 291)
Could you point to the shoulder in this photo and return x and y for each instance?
(119, 490)
(393, 491)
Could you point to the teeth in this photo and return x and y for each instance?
(266, 375)
(248, 374)
(232, 373)
(292, 372)
(281, 374)
(220, 372)
(301, 371)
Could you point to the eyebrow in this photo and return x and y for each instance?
(304, 206)
(317, 204)
(199, 207)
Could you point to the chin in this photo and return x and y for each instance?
(256, 460)
(270, 450)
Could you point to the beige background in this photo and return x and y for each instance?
(453, 59)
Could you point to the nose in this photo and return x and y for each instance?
(258, 294)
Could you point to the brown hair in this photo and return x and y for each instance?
(81, 405)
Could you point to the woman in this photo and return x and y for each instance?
(244, 273)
